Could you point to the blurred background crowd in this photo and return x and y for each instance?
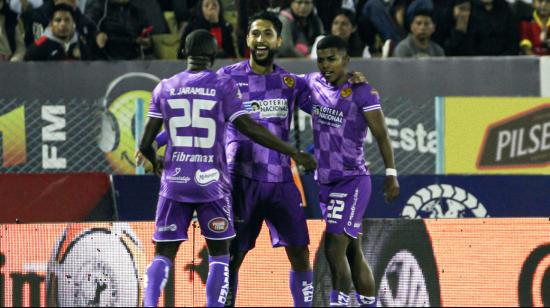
(43, 30)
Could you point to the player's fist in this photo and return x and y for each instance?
(305, 159)
(357, 77)
(391, 188)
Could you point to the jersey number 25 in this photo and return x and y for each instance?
(192, 118)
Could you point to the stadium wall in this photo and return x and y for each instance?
(32, 198)
(450, 262)
(79, 117)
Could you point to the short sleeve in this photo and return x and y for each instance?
(303, 99)
(154, 108)
(367, 98)
(162, 139)
(231, 98)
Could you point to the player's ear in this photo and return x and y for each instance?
(345, 58)
(279, 41)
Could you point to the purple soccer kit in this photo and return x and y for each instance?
(195, 108)
(263, 187)
(339, 132)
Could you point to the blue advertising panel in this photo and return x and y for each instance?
(422, 196)
(430, 196)
(136, 196)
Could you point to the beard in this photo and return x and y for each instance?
(267, 61)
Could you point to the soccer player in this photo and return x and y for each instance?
(341, 114)
(263, 187)
(195, 107)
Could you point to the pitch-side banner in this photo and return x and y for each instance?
(493, 135)
(497, 262)
(463, 196)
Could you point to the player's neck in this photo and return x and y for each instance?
(260, 69)
(198, 63)
(340, 81)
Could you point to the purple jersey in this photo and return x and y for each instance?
(195, 108)
(339, 126)
(270, 100)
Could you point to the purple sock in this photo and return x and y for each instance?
(217, 284)
(301, 287)
(338, 299)
(156, 277)
(365, 301)
(233, 285)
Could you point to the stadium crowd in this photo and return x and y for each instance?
(42, 30)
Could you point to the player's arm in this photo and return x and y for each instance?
(247, 126)
(377, 125)
(152, 128)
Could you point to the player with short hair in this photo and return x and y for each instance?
(341, 114)
(195, 106)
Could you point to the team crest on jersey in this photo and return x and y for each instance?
(289, 81)
(345, 92)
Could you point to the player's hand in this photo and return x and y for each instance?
(101, 39)
(140, 159)
(357, 77)
(159, 166)
(391, 188)
(305, 159)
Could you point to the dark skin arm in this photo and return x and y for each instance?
(250, 128)
(377, 125)
(152, 128)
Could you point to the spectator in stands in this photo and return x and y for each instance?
(494, 28)
(36, 20)
(453, 32)
(522, 9)
(535, 34)
(21, 6)
(60, 40)
(378, 27)
(247, 8)
(12, 44)
(344, 25)
(184, 10)
(123, 29)
(327, 10)
(301, 26)
(209, 16)
(418, 43)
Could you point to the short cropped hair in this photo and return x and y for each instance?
(200, 43)
(63, 8)
(333, 41)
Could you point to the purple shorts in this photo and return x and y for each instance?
(173, 219)
(344, 203)
(279, 204)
